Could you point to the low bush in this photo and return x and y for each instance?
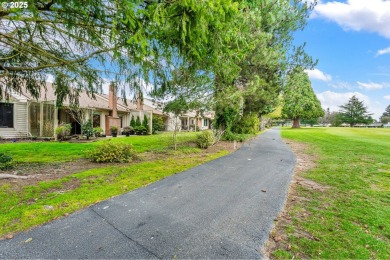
(5, 158)
(140, 130)
(87, 129)
(249, 124)
(128, 130)
(114, 130)
(230, 136)
(98, 131)
(205, 139)
(63, 130)
(111, 152)
(6, 161)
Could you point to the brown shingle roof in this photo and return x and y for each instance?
(85, 101)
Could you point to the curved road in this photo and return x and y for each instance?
(222, 209)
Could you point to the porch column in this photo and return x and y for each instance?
(41, 119)
(150, 122)
(188, 123)
(55, 121)
(103, 121)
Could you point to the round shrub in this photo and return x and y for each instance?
(98, 131)
(6, 161)
(109, 151)
(205, 139)
(63, 131)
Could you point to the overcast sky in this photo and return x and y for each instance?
(351, 39)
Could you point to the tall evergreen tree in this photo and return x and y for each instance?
(387, 111)
(300, 101)
(385, 118)
(132, 121)
(145, 123)
(354, 112)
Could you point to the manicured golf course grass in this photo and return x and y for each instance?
(351, 218)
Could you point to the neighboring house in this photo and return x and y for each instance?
(187, 121)
(375, 125)
(22, 116)
(13, 116)
(387, 125)
(360, 125)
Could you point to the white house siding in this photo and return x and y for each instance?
(20, 129)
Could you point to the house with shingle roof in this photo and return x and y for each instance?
(189, 121)
(23, 116)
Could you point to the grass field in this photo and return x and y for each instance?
(27, 204)
(46, 152)
(350, 219)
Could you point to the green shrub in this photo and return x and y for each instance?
(63, 130)
(140, 130)
(132, 121)
(87, 129)
(5, 158)
(98, 131)
(157, 124)
(248, 124)
(230, 136)
(205, 139)
(127, 130)
(114, 129)
(145, 122)
(111, 152)
(6, 161)
(138, 121)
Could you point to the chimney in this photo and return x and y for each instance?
(140, 101)
(112, 100)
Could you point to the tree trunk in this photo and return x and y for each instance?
(296, 123)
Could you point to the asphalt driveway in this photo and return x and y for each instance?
(222, 209)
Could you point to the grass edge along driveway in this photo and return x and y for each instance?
(29, 206)
(351, 218)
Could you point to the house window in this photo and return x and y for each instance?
(6, 115)
(205, 122)
(96, 120)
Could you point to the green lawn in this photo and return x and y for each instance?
(46, 152)
(27, 205)
(351, 219)
(24, 208)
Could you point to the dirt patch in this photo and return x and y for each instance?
(43, 172)
(278, 238)
(223, 145)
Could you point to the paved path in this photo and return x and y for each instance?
(216, 210)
